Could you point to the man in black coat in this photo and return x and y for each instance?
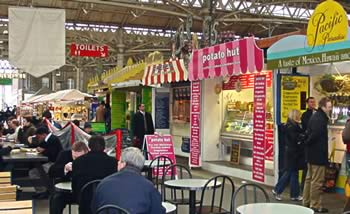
(311, 108)
(142, 125)
(317, 156)
(61, 171)
(134, 192)
(95, 165)
(49, 146)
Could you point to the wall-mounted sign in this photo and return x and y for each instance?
(244, 81)
(5, 81)
(327, 24)
(195, 151)
(12, 75)
(89, 50)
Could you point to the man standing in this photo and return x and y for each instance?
(49, 146)
(142, 125)
(134, 193)
(311, 108)
(95, 165)
(317, 156)
(100, 112)
(61, 171)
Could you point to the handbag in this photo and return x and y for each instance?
(331, 174)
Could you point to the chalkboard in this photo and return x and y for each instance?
(235, 152)
(162, 111)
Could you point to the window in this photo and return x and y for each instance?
(181, 107)
(70, 83)
(45, 82)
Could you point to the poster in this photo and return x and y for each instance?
(162, 111)
(160, 145)
(259, 124)
(118, 108)
(244, 81)
(195, 148)
(294, 92)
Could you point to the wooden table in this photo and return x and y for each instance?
(192, 185)
(16, 207)
(273, 208)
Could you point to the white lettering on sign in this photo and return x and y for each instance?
(89, 47)
(221, 54)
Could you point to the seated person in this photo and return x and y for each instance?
(49, 146)
(62, 170)
(8, 129)
(88, 129)
(14, 124)
(134, 192)
(96, 164)
(28, 130)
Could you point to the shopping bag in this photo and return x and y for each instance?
(331, 174)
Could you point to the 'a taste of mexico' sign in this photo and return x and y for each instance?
(328, 24)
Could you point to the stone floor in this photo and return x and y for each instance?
(334, 202)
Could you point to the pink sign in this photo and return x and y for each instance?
(259, 122)
(158, 145)
(226, 59)
(195, 151)
(244, 81)
(269, 144)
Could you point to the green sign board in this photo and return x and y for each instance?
(118, 109)
(147, 98)
(5, 81)
(98, 127)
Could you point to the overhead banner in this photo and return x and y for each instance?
(89, 50)
(231, 58)
(195, 147)
(37, 39)
(259, 124)
(327, 40)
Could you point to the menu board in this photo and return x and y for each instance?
(195, 150)
(235, 152)
(244, 81)
(259, 122)
(294, 92)
(162, 111)
(118, 109)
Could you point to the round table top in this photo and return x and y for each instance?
(168, 207)
(273, 208)
(64, 186)
(190, 184)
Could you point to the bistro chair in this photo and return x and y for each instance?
(244, 188)
(111, 209)
(85, 196)
(174, 172)
(156, 169)
(217, 195)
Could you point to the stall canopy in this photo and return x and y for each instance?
(172, 71)
(231, 58)
(64, 95)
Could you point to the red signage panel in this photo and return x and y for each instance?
(195, 150)
(89, 50)
(244, 81)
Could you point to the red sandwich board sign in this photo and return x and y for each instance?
(89, 50)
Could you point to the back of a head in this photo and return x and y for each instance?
(97, 143)
(76, 122)
(47, 114)
(29, 119)
(133, 156)
(42, 130)
(323, 102)
(79, 147)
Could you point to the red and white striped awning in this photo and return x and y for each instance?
(173, 71)
(231, 58)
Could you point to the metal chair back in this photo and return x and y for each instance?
(86, 194)
(218, 190)
(244, 188)
(157, 167)
(111, 209)
(177, 171)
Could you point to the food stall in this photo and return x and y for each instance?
(323, 56)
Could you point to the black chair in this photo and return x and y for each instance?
(85, 196)
(177, 171)
(156, 169)
(111, 209)
(256, 188)
(216, 206)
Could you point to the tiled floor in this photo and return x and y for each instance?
(334, 202)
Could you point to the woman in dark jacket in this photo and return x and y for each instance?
(295, 158)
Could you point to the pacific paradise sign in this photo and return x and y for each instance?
(326, 40)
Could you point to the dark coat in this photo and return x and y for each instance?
(295, 153)
(56, 171)
(4, 151)
(27, 132)
(305, 118)
(139, 125)
(52, 147)
(317, 139)
(132, 192)
(89, 167)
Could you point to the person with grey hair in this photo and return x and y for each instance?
(127, 188)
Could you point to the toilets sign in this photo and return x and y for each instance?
(89, 50)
